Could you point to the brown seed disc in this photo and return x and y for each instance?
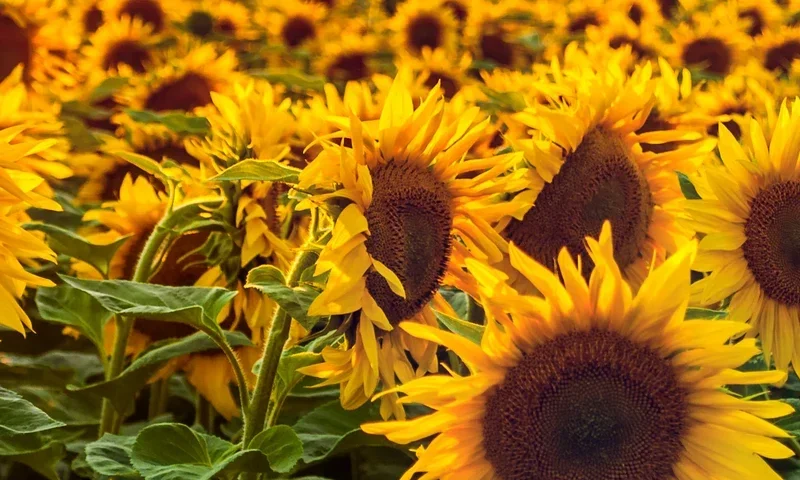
(458, 9)
(113, 183)
(579, 24)
(448, 85)
(731, 125)
(780, 57)
(772, 248)
(424, 31)
(225, 26)
(92, 19)
(410, 219)
(635, 13)
(756, 21)
(494, 47)
(349, 67)
(129, 53)
(185, 93)
(667, 8)
(711, 54)
(148, 11)
(586, 406)
(636, 48)
(599, 181)
(297, 30)
(16, 46)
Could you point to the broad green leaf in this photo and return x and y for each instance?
(41, 451)
(122, 389)
(79, 136)
(270, 281)
(504, 101)
(145, 163)
(195, 306)
(107, 88)
(687, 187)
(291, 78)
(18, 416)
(73, 245)
(111, 455)
(261, 170)
(68, 306)
(693, 313)
(177, 122)
(292, 360)
(470, 331)
(281, 445)
(329, 430)
(791, 423)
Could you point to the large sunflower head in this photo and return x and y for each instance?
(420, 23)
(710, 42)
(587, 153)
(590, 381)
(121, 47)
(406, 222)
(749, 213)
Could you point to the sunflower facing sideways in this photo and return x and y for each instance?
(409, 223)
(590, 381)
(588, 154)
(750, 213)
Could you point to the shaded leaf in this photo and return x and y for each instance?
(281, 445)
(291, 78)
(470, 331)
(687, 187)
(261, 170)
(107, 88)
(270, 281)
(71, 244)
(111, 455)
(145, 163)
(177, 122)
(18, 416)
(693, 313)
(68, 306)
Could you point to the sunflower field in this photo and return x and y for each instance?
(399, 240)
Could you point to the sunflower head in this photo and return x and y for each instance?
(348, 51)
(158, 14)
(220, 17)
(419, 24)
(607, 384)
(779, 49)
(710, 42)
(121, 48)
(294, 24)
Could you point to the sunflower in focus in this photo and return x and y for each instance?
(588, 153)
(423, 23)
(121, 48)
(406, 224)
(710, 42)
(749, 214)
(18, 247)
(590, 381)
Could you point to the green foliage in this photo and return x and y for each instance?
(295, 300)
(695, 313)
(180, 123)
(19, 416)
(687, 187)
(292, 78)
(470, 331)
(259, 170)
(111, 455)
(68, 306)
(73, 245)
(107, 88)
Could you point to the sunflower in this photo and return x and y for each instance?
(779, 49)
(619, 31)
(17, 246)
(576, 16)
(591, 381)
(393, 245)
(221, 17)
(294, 24)
(438, 67)
(121, 48)
(588, 155)
(348, 51)
(158, 14)
(88, 15)
(639, 12)
(710, 42)
(492, 38)
(749, 213)
(759, 16)
(423, 23)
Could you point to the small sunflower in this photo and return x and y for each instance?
(592, 168)
(709, 42)
(493, 39)
(749, 212)
(121, 48)
(590, 382)
(780, 49)
(221, 17)
(759, 16)
(401, 234)
(643, 39)
(17, 246)
(295, 24)
(423, 23)
(88, 14)
(438, 67)
(639, 12)
(158, 14)
(348, 52)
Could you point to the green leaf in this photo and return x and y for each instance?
(79, 136)
(687, 187)
(107, 88)
(292, 360)
(694, 313)
(145, 163)
(122, 389)
(457, 299)
(791, 423)
(329, 430)
(281, 445)
(18, 416)
(111, 456)
(470, 331)
(261, 170)
(177, 122)
(291, 78)
(172, 451)
(73, 245)
(41, 451)
(68, 306)
(195, 306)
(270, 281)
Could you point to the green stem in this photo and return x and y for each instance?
(201, 409)
(154, 402)
(276, 339)
(125, 325)
(241, 380)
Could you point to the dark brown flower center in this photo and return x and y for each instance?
(448, 85)
(732, 125)
(127, 52)
(667, 7)
(780, 57)
(458, 9)
(636, 48)
(494, 47)
(655, 123)
(200, 23)
(635, 13)
(755, 20)
(113, 183)
(226, 26)
(710, 54)
(297, 30)
(92, 19)
(586, 406)
(185, 93)
(16, 46)
(352, 66)
(148, 11)
(410, 219)
(579, 24)
(424, 31)
(598, 181)
(772, 248)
